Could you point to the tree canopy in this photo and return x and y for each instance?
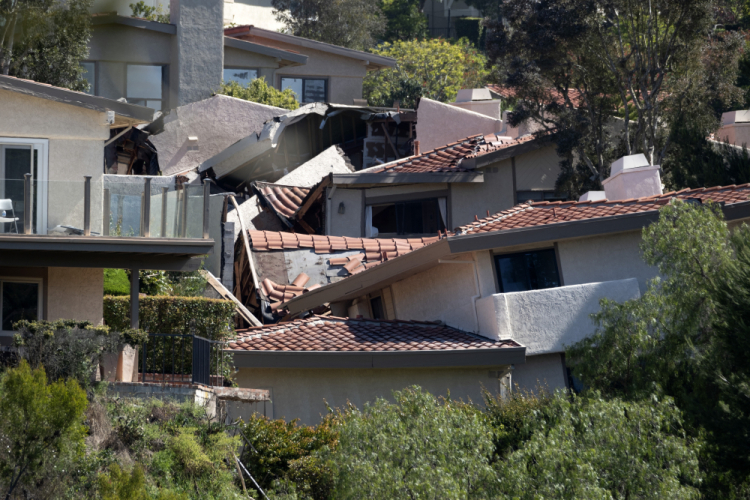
(259, 91)
(432, 68)
(45, 40)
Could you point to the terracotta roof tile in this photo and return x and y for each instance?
(329, 334)
(541, 213)
(286, 200)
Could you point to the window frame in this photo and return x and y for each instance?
(21, 279)
(164, 86)
(306, 77)
(496, 267)
(95, 86)
(239, 68)
(373, 201)
(42, 148)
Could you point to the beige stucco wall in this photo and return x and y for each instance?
(604, 258)
(537, 170)
(76, 148)
(439, 124)
(494, 194)
(303, 393)
(350, 222)
(75, 293)
(546, 371)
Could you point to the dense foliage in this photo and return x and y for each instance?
(41, 431)
(683, 338)
(354, 24)
(436, 69)
(613, 77)
(259, 91)
(149, 12)
(404, 20)
(211, 318)
(45, 40)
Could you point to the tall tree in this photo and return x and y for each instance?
(405, 20)
(355, 24)
(612, 76)
(45, 40)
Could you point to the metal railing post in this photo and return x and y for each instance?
(206, 206)
(87, 205)
(26, 204)
(183, 231)
(164, 191)
(147, 208)
(106, 214)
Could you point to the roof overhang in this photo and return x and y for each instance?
(368, 360)
(365, 178)
(372, 61)
(509, 152)
(104, 252)
(282, 56)
(133, 22)
(125, 114)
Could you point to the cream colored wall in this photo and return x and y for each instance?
(350, 222)
(494, 194)
(303, 393)
(537, 170)
(546, 371)
(439, 124)
(605, 258)
(75, 293)
(76, 148)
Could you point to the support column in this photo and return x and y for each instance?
(134, 290)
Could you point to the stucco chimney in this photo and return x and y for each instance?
(632, 177)
(479, 101)
(735, 128)
(197, 55)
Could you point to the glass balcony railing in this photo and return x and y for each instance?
(127, 207)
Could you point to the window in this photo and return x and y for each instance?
(89, 73)
(307, 89)
(19, 299)
(519, 272)
(17, 158)
(241, 76)
(145, 85)
(407, 218)
(522, 196)
(376, 305)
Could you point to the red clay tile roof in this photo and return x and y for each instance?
(330, 334)
(449, 158)
(541, 213)
(286, 200)
(283, 293)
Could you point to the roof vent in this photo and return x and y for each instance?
(632, 177)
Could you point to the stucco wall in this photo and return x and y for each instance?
(217, 122)
(537, 170)
(546, 321)
(75, 148)
(546, 372)
(350, 222)
(605, 258)
(441, 293)
(75, 293)
(439, 124)
(302, 393)
(494, 194)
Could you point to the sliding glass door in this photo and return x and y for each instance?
(19, 157)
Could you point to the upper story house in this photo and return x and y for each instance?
(166, 65)
(532, 274)
(62, 219)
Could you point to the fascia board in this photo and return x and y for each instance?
(134, 22)
(368, 360)
(408, 178)
(256, 48)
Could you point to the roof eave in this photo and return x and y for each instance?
(407, 178)
(380, 359)
(134, 22)
(290, 58)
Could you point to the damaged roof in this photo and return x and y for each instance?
(292, 203)
(540, 213)
(330, 342)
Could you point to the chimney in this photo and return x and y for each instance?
(479, 101)
(416, 148)
(632, 177)
(197, 55)
(735, 128)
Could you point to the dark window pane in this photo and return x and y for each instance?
(376, 304)
(17, 164)
(20, 301)
(315, 91)
(411, 217)
(520, 272)
(384, 218)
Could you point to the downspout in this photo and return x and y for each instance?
(476, 286)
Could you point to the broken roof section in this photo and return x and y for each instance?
(191, 134)
(292, 139)
(298, 208)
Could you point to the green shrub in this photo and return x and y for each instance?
(189, 453)
(259, 91)
(471, 28)
(116, 282)
(121, 485)
(212, 317)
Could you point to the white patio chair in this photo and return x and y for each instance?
(5, 207)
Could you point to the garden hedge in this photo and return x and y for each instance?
(164, 314)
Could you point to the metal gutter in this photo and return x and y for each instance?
(163, 246)
(408, 178)
(264, 50)
(405, 359)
